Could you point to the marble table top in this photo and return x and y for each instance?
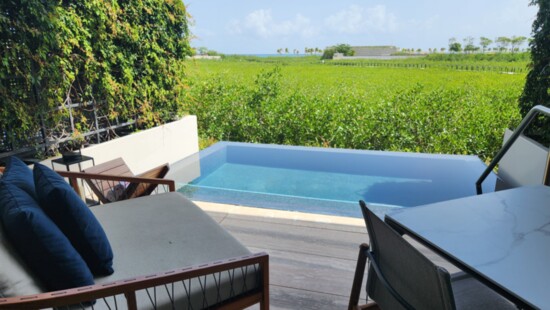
(501, 237)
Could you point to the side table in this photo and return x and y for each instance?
(68, 163)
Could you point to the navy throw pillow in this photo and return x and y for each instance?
(69, 212)
(40, 243)
(18, 174)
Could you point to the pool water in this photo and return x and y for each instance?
(325, 181)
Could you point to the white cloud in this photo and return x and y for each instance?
(260, 21)
(235, 27)
(426, 24)
(262, 24)
(356, 19)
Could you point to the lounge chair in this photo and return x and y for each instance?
(168, 254)
(111, 190)
(400, 277)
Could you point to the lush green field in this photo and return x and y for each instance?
(418, 105)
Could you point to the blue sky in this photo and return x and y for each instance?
(259, 26)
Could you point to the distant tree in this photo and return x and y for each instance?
(202, 50)
(328, 53)
(516, 42)
(485, 42)
(502, 43)
(340, 48)
(469, 46)
(419, 50)
(279, 50)
(213, 53)
(442, 49)
(286, 50)
(454, 46)
(345, 49)
(537, 84)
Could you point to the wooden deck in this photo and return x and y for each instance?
(311, 262)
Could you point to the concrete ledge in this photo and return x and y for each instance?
(149, 148)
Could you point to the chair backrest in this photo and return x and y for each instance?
(109, 191)
(527, 162)
(410, 275)
(102, 188)
(135, 190)
(116, 166)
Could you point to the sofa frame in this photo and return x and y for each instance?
(128, 287)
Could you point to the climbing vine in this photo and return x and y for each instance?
(123, 57)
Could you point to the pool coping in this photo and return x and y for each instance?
(279, 214)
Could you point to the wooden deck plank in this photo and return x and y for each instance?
(311, 272)
(291, 238)
(311, 264)
(284, 298)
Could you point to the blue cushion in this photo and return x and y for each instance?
(41, 244)
(18, 174)
(69, 212)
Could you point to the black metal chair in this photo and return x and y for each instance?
(400, 277)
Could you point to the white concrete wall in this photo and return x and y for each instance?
(150, 148)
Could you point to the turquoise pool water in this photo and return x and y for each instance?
(326, 181)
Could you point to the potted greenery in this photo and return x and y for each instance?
(73, 147)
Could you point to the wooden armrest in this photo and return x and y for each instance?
(90, 177)
(2, 169)
(129, 287)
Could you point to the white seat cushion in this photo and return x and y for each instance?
(15, 278)
(164, 232)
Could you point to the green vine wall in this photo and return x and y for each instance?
(127, 57)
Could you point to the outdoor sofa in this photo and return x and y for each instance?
(168, 254)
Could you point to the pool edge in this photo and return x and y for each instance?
(279, 214)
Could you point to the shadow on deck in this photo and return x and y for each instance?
(312, 263)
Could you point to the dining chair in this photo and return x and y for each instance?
(401, 277)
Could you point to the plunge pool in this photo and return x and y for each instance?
(324, 180)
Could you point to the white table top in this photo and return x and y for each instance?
(504, 237)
